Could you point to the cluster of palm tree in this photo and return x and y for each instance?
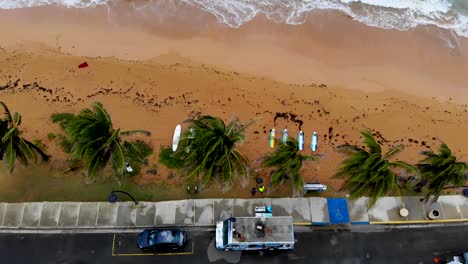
(208, 152)
(92, 141)
(367, 171)
(13, 146)
(95, 143)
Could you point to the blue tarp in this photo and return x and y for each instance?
(338, 210)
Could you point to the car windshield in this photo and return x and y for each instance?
(163, 237)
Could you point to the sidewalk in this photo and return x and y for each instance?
(205, 212)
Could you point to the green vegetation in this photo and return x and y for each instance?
(51, 136)
(92, 139)
(167, 158)
(208, 150)
(63, 119)
(14, 147)
(136, 155)
(441, 169)
(39, 143)
(41, 183)
(287, 161)
(370, 172)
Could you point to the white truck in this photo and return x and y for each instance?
(255, 233)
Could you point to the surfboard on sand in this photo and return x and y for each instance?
(176, 137)
(313, 143)
(272, 138)
(300, 140)
(285, 135)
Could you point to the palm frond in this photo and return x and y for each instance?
(10, 154)
(393, 151)
(12, 145)
(7, 113)
(287, 163)
(208, 150)
(370, 173)
(370, 142)
(404, 165)
(347, 148)
(441, 169)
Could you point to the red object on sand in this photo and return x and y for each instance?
(83, 65)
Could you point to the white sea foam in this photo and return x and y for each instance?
(389, 14)
(12, 4)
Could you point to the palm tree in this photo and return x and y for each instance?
(288, 162)
(14, 147)
(441, 169)
(96, 142)
(369, 171)
(208, 149)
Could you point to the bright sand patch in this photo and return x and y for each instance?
(155, 79)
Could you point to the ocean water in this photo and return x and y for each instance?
(388, 14)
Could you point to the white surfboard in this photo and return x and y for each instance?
(285, 135)
(313, 143)
(300, 140)
(176, 137)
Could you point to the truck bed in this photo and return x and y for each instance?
(276, 229)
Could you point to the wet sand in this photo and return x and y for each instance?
(331, 75)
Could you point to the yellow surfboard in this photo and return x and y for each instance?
(272, 138)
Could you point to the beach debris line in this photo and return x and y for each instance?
(176, 137)
(314, 141)
(272, 137)
(83, 65)
(285, 135)
(288, 116)
(300, 140)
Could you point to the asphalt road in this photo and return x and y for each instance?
(415, 246)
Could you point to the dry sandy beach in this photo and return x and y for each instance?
(332, 75)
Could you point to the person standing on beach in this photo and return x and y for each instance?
(254, 191)
(261, 189)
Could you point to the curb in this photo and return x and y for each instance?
(302, 224)
(418, 222)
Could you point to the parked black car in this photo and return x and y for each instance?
(162, 239)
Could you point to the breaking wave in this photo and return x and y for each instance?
(388, 14)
